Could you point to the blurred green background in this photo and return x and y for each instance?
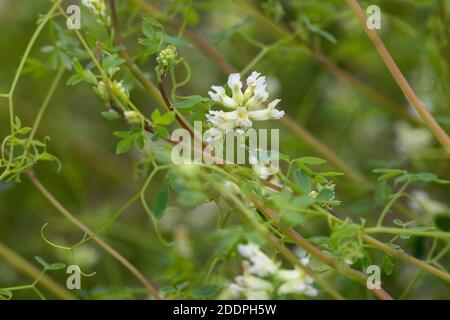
(94, 183)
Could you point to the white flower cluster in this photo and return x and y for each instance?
(98, 9)
(246, 106)
(411, 140)
(263, 278)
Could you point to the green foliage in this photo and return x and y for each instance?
(181, 225)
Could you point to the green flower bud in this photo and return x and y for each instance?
(133, 117)
(166, 60)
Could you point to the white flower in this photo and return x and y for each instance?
(251, 287)
(235, 290)
(98, 9)
(212, 135)
(242, 118)
(258, 295)
(246, 106)
(248, 250)
(263, 170)
(253, 283)
(220, 96)
(261, 265)
(286, 275)
(235, 84)
(297, 287)
(269, 113)
(411, 140)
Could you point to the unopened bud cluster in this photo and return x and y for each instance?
(166, 60)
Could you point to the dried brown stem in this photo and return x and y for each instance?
(404, 85)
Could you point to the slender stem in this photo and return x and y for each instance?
(38, 184)
(404, 85)
(12, 89)
(250, 217)
(393, 252)
(388, 230)
(42, 109)
(227, 68)
(129, 62)
(329, 65)
(31, 271)
(391, 202)
(310, 248)
(406, 257)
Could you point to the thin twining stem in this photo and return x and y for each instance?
(394, 252)
(31, 271)
(49, 196)
(23, 60)
(406, 88)
(159, 95)
(412, 232)
(43, 108)
(206, 48)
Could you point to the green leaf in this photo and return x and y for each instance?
(189, 102)
(161, 201)
(167, 119)
(311, 160)
(325, 195)
(74, 79)
(140, 141)
(398, 222)
(222, 35)
(175, 40)
(5, 294)
(302, 180)
(206, 290)
(388, 173)
(111, 114)
(388, 265)
(426, 177)
(111, 63)
(24, 130)
(161, 131)
(42, 262)
(56, 266)
(302, 201)
(124, 145)
(150, 23)
(292, 218)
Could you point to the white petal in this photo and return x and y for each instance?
(248, 250)
(253, 283)
(274, 103)
(218, 89)
(260, 115)
(235, 84)
(252, 78)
